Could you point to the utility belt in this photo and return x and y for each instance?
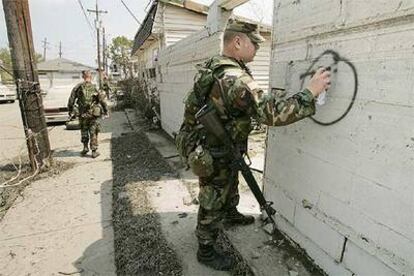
(91, 111)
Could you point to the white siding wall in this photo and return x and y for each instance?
(346, 192)
(171, 24)
(145, 59)
(261, 64)
(180, 23)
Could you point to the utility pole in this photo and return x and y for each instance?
(104, 53)
(44, 48)
(60, 49)
(19, 31)
(98, 40)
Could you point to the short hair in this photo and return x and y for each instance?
(86, 73)
(230, 35)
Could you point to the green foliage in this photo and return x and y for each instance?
(120, 52)
(135, 96)
(133, 93)
(6, 62)
(5, 58)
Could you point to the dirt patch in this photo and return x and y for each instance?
(10, 194)
(140, 247)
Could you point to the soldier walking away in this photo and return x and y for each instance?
(225, 84)
(92, 105)
(106, 86)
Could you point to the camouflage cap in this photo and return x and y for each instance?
(250, 29)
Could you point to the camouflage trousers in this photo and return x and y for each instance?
(90, 128)
(218, 195)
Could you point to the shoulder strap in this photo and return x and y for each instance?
(224, 97)
(213, 78)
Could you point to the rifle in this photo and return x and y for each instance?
(208, 117)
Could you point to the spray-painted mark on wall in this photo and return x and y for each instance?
(336, 60)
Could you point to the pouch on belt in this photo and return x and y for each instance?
(201, 162)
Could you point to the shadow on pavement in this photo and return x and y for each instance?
(97, 259)
(66, 153)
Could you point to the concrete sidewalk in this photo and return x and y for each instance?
(265, 254)
(63, 225)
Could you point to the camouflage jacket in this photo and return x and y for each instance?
(238, 99)
(105, 86)
(85, 95)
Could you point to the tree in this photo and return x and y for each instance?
(120, 52)
(6, 62)
(5, 58)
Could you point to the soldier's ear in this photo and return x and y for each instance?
(237, 42)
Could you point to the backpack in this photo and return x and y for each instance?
(88, 99)
(191, 134)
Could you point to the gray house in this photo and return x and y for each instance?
(61, 72)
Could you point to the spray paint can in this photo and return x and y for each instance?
(321, 99)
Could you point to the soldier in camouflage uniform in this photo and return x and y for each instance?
(91, 104)
(106, 86)
(237, 99)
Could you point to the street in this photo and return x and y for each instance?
(12, 134)
(61, 223)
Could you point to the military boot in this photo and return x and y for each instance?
(95, 154)
(235, 218)
(208, 256)
(85, 150)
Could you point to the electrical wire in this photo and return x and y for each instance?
(131, 13)
(6, 70)
(87, 19)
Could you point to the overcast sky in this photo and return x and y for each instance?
(63, 20)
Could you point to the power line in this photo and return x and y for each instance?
(130, 12)
(87, 18)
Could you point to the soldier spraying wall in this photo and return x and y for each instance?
(224, 83)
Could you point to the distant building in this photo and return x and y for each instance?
(61, 72)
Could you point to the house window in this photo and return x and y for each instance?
(154, 55)
(152, 73)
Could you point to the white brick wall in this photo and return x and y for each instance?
(356, 174)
